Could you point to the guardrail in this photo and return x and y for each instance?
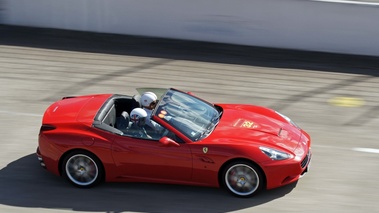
(327, 26)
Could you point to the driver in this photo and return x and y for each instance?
(138, 120)
(148, 102)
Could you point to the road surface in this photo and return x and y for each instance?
(334, 97)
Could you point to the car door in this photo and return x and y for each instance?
(150, 160)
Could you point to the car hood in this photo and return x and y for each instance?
(256, 125)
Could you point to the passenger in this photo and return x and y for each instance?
(148, 102)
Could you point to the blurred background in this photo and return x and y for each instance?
(314, 61)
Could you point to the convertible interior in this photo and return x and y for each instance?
(113, 116)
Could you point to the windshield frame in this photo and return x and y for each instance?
(188, 114)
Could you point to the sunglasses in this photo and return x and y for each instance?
(153, 103)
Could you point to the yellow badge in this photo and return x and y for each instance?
(247, 124)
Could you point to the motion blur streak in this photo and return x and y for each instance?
(20, 113)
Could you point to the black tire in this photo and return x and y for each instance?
(242, 179)
(82, 169)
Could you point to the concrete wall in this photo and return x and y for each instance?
(351, 28)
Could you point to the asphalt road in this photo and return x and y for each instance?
(334, 97)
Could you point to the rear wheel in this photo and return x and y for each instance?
(82, 169)
(242, 179)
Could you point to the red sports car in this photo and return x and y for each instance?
(244, 148)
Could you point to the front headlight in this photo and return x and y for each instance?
(275, 154)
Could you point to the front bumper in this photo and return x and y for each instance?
(280, 173)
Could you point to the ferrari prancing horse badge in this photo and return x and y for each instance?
(205, 150)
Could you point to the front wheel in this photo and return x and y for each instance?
(242, 179)
(82, 169)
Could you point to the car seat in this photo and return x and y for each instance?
(136, 101)
(123, 121)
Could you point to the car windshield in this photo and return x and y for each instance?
(193, 117)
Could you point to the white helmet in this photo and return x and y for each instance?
(147, 98)
(138, 116)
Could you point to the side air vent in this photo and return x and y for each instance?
(67, 97)
(46, 127)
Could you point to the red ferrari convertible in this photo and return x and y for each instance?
(243, 148)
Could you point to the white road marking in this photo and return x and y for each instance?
(328, 147)
(349, 2)
(369, 150)
(356, 149)
(19, 113)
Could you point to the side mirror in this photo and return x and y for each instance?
(166, 141)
